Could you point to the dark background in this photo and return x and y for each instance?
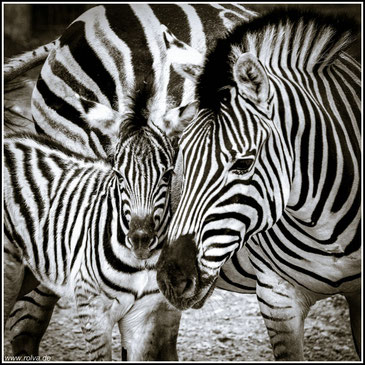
(27, 26)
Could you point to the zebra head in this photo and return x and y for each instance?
(235, 182)
(142, 156)
(144, 164)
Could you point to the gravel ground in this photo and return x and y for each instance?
(228, 328)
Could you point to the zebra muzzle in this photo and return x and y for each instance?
(142, 244)
(142, 237)
(177, 274)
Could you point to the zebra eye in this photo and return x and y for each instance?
(242, 165)
(224, 94)
(167, 176)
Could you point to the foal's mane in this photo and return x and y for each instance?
(136, 127)
(139, 106)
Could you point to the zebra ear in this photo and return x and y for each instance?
(177, 119)
(251, 78)
(185, 60)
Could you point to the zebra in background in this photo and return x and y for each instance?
(123, 58)
(101, 59)
(271, 176)
(93, 228)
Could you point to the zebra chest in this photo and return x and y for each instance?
(133, 286)
(142, 282)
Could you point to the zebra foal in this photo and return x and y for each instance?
(270, 196)
(91, 229)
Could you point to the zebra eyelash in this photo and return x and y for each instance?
(167, 175)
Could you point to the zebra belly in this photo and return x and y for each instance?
(316, 271)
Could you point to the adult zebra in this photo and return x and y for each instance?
(271, 176)
(100, 60)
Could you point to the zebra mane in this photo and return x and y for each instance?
(321, 39)
(137, 127)
(139, 107)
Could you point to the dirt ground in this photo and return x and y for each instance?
(228, 328)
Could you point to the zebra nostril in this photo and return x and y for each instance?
(185, 288)
(142, 243)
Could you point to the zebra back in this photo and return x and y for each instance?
(101, 59)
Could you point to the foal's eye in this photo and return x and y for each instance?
(242, 165)
(224, 94)
(167, 176)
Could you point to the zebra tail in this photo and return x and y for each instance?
(20, 76)
(18, 65)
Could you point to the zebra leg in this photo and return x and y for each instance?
(284, 310)
(354, 302)
(96, 326)
(94, 314)
(29, 320)
(149, 333)
(13, 276)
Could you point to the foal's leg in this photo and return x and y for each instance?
(94, 313)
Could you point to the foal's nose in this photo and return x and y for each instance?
(142, 236)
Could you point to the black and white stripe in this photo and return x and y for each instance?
(104, 53)
(101, 57)
(271, 175)
(84, 229)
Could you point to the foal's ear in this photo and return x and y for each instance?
(186, 60)
(251, 78)
(177, 119)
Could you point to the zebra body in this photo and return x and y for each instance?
(70, 78)
(101, 59)
(271, 176)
